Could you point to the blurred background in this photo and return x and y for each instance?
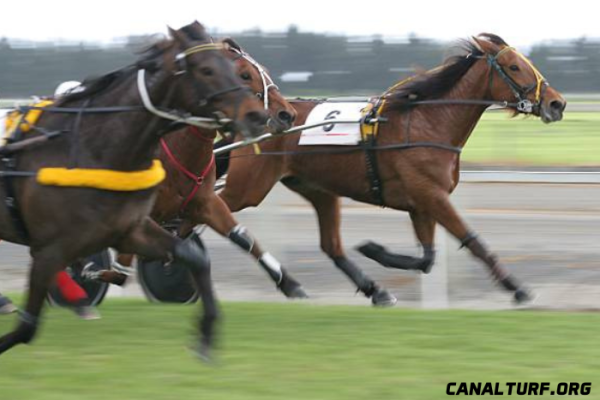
(528, 188)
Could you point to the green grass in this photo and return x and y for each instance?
(295, 351)
(501, 140)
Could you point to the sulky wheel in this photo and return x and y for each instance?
(167, 283)
(96, 291)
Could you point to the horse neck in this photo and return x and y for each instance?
(191, 147)
(456, 122)
(134, 144)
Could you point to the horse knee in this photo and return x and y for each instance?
(238, 202)
(332, 249)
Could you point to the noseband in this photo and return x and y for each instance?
(524, 105)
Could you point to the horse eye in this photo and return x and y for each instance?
(514, 68)
(207, 71)
(259, 95)
(246, 76)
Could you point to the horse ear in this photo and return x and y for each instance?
(231, 43)
(178, 36)
(199, 28)
(486, 46)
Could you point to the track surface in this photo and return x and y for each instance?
(547, 234)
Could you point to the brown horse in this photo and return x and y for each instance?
(114, 125)
(188, 193)
(414, 164)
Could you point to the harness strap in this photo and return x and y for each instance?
(197, 179)
(375, 184)
(11, 202)
(9, 164)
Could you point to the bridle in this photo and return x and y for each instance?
(267, 82)
(181, 61)
(523, 105)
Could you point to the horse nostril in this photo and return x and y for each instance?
(557, 105)
(285, 116)
(257, 118)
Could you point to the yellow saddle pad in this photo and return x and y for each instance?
(24, 121)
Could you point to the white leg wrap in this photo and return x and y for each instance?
(115, 266)
(272, 266)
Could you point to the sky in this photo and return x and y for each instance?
(520, 23)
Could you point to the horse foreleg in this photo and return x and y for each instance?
(42, 275)
(213, 212)
(327, 207)
(149, 240)
(440, 207)
(424, 227)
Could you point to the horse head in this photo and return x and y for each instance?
(518, 79)
(258, 79)
(207, 84)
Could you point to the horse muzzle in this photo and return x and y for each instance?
(552, 111)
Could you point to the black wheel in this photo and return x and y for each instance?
(96, 291)
(167, 283)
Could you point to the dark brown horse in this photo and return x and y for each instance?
(188, 193)
(414, 164)
(113, 124)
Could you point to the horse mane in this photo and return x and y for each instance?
(436, 83)
(149, 60)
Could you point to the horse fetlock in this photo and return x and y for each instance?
(291, 288)
(27, 328)
(362, 281)
(524, 295)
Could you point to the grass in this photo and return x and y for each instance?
(501, 140)
(295, 351)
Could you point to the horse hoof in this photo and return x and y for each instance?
(296, 293)
(383, 298)
(523, 296)
(203, 351)
(8, 308)
(292, 289)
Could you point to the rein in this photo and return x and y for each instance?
(349, 150)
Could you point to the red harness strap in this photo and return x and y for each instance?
(197, 179)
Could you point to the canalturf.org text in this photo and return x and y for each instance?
(518, 388)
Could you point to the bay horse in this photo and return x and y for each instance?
(414, 160)
(108, 187)
(188, 193)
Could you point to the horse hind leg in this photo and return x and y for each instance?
(149, 240)
(424, 227)
(328, 212)
(43, 271)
